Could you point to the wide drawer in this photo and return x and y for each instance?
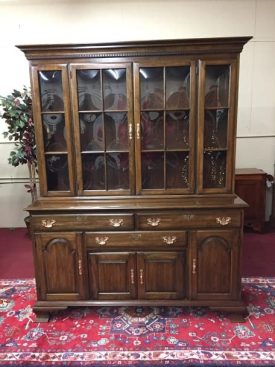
(83, 222)
(161, 240)
(188, 219)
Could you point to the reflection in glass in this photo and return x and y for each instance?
(151, 87)
(89, 90)
(91, 131)
(116, 130)
(215, 128)
(217, 85)
(93, 168)
(177, 87)
(152, 130)
(114, 89)
(51, 91)
(54, 132)
(57, 172)
(118, 171)
(153, 170)
(214, 169)
(177, 130)
(177, 170)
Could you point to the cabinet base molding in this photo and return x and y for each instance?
(235, 310)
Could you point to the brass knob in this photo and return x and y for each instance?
(101, 240)
(154, 222)
(169, 240)
(48, 223)
(116, 222)
(223, 221)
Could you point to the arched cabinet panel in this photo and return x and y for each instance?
(215, 257)
(60, 265)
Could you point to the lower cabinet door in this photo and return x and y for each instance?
(59, 266)
(161, 275)
(112, 276)
(214, 270)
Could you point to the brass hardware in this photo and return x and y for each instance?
(188, 216)
(194, 266)
(48, 223)
(132, 276)
(101, 240)
(136, 236)
(223, 221)
(169, 239)
(154, 222)
(141, 276)
(80, 267)
(138, 131)
(116, 222)
(130, 131)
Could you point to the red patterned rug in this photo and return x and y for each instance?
(141, 336)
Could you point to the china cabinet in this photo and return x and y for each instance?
(136, 150)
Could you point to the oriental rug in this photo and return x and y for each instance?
(136, 336)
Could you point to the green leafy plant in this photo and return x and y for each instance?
(17, 114)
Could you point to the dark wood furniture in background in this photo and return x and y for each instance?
(136, 150)
(250, 185)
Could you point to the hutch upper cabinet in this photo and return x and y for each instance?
(136, 151)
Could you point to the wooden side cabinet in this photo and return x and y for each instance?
(250, 185)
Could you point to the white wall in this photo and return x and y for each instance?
(70, 21)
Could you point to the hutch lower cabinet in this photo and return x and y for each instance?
(136, 152)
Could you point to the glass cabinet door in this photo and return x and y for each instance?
(53, 135)
(102, 107)
(164, 124)
(216, 115)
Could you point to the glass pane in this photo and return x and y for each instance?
(116, 130)
(214, 169)
(89, 90)
(51, 90)
(91, 131)
(177, 87)
(177, 169)
(118, 171)
(177, 130)
(217, 85)
(152, 170)
(151, 88)
(114, 89)
(215, 128)
(54, 133)
(57, 172)
(152, 136)
(93, 168)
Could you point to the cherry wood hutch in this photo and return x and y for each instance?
(136, 151)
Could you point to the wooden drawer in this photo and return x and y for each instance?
(163, 240)
(83, 222)
(189, 219)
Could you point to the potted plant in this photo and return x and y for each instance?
(17, 114)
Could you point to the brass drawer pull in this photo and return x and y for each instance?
(48, 223)
(194, 266)
(223, 221)
(141, 276)
(101, 240)
(132, 272)
(154, 222)
(116, 222)
(169, 240)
